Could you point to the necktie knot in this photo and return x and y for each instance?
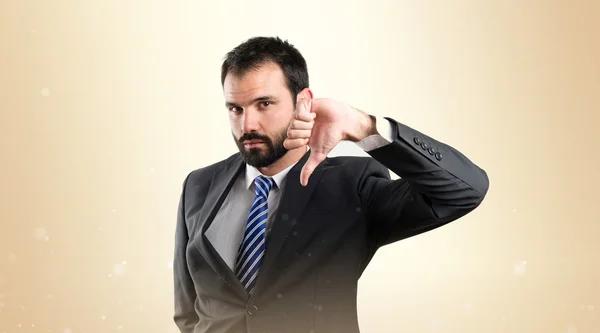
(263, 186)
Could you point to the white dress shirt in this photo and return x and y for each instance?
(227, 229)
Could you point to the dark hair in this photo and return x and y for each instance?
(257, 51)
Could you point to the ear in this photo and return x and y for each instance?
(305, 93)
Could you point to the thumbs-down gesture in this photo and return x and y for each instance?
(322, 124)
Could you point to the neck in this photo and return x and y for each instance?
(292, 157)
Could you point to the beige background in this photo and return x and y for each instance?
(105, 106)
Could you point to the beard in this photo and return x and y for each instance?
(269, 153)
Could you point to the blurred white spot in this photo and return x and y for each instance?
(67, 330)
(170, 264)
(109, 276)
(572, 329)
(120, 327)
(124, 262)
(1, 304)
(520, 268)
(98, 228)
(141, 307)
(280, 296)
(45, 92)
(12, 257)
(33, 30)
(118, 269)
(114, 210)
(151, 170)
(19, 325)
(514, 210)
(591, 307)
(32, 325)
(47, 238)
(50, 296)
(40, 233)
(103, 317)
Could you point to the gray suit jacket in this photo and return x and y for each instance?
(323, 235)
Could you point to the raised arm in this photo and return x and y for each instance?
(438, 184)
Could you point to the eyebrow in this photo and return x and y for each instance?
(257, 99)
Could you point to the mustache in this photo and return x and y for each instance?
(254, 136)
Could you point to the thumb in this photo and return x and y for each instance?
(315, 158)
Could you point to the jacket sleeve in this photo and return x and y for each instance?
(185, 316)
(437, 185)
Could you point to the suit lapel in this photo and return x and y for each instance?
(293, 200)
(222, 181)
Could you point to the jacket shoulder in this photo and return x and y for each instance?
(351, 163)
(355, 166)
(204, 173)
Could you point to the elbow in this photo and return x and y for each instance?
(476, 194)
(460, 202)
(481, 188)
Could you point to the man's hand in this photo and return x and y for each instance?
(322, 124)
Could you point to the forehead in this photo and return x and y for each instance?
(268, 79)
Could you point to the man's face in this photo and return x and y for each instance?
(260, 110)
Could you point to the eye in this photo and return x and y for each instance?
(235, 109)
(264, 104)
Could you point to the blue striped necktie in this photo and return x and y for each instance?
(252, 248)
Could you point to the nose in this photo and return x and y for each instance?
(250, 121)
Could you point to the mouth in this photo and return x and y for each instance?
(253, 143)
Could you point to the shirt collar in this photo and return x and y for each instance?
(252, 173)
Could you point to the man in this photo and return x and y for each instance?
(275, 237)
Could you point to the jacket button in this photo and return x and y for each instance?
(438, 156)
(424, 145)
(431, 151)
(417, 141)
(252, 310)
